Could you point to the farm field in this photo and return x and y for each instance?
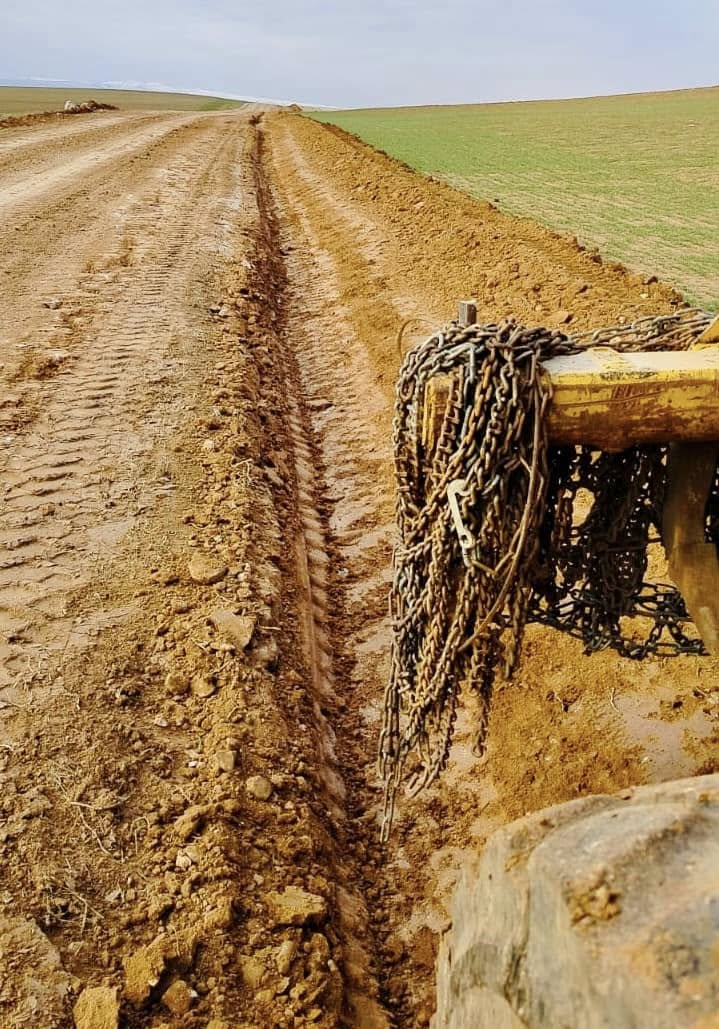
(199, 319)
(633, 175)
(16, 100)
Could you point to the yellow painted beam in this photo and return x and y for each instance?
(611, 400)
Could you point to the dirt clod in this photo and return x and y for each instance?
(206, 570)
(97, 1007)
(143, 970)
(285, 955)
(178, 998)
(237, 629)
(224, 761)
(34, 986)
(203, 687)
(295, 906)
(258, 787)
(176, 683)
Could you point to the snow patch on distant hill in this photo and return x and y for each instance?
(153, 87)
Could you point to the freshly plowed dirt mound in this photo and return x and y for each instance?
(197, 338)
(87, 107)
(392, 253)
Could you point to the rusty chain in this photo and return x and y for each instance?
(490, 535)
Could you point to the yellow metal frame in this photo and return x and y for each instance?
(612, 400)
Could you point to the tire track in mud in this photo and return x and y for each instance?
(26, 145)
(313, 562)
(70, 484)
(314, 575)
(407, 884)
(50, 260)
(349, 421)
(14, 139)
(351, 912)
(27, 187)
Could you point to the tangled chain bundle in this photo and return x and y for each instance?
(489, 536)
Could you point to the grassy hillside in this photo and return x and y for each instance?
(28, 100)
(637, 176)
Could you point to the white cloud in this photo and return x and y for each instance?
(351, 53)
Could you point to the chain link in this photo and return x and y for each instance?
(497, 528)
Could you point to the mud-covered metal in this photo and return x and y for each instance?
(496, 527)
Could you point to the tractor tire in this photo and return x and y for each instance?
(602, 913)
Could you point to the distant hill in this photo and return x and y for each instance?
(18, 99)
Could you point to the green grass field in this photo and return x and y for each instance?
(15, 100)
(637, 176)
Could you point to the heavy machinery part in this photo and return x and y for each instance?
(710, 334)
(601, 913)
(498, 524)
(693, 562)
(612, 400)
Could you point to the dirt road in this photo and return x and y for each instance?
(198, 319)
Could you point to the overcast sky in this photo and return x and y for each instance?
(367, 52)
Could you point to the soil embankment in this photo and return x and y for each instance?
(376, 252)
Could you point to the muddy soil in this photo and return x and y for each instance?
(200, 320)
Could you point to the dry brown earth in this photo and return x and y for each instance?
(198, 320)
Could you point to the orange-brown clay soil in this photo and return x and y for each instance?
(198, 344)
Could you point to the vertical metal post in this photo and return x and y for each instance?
(467, 313)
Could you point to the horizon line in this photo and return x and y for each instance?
(36, 82)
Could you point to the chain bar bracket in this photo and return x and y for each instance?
(493, 524)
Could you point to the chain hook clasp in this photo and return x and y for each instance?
(456, 489)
